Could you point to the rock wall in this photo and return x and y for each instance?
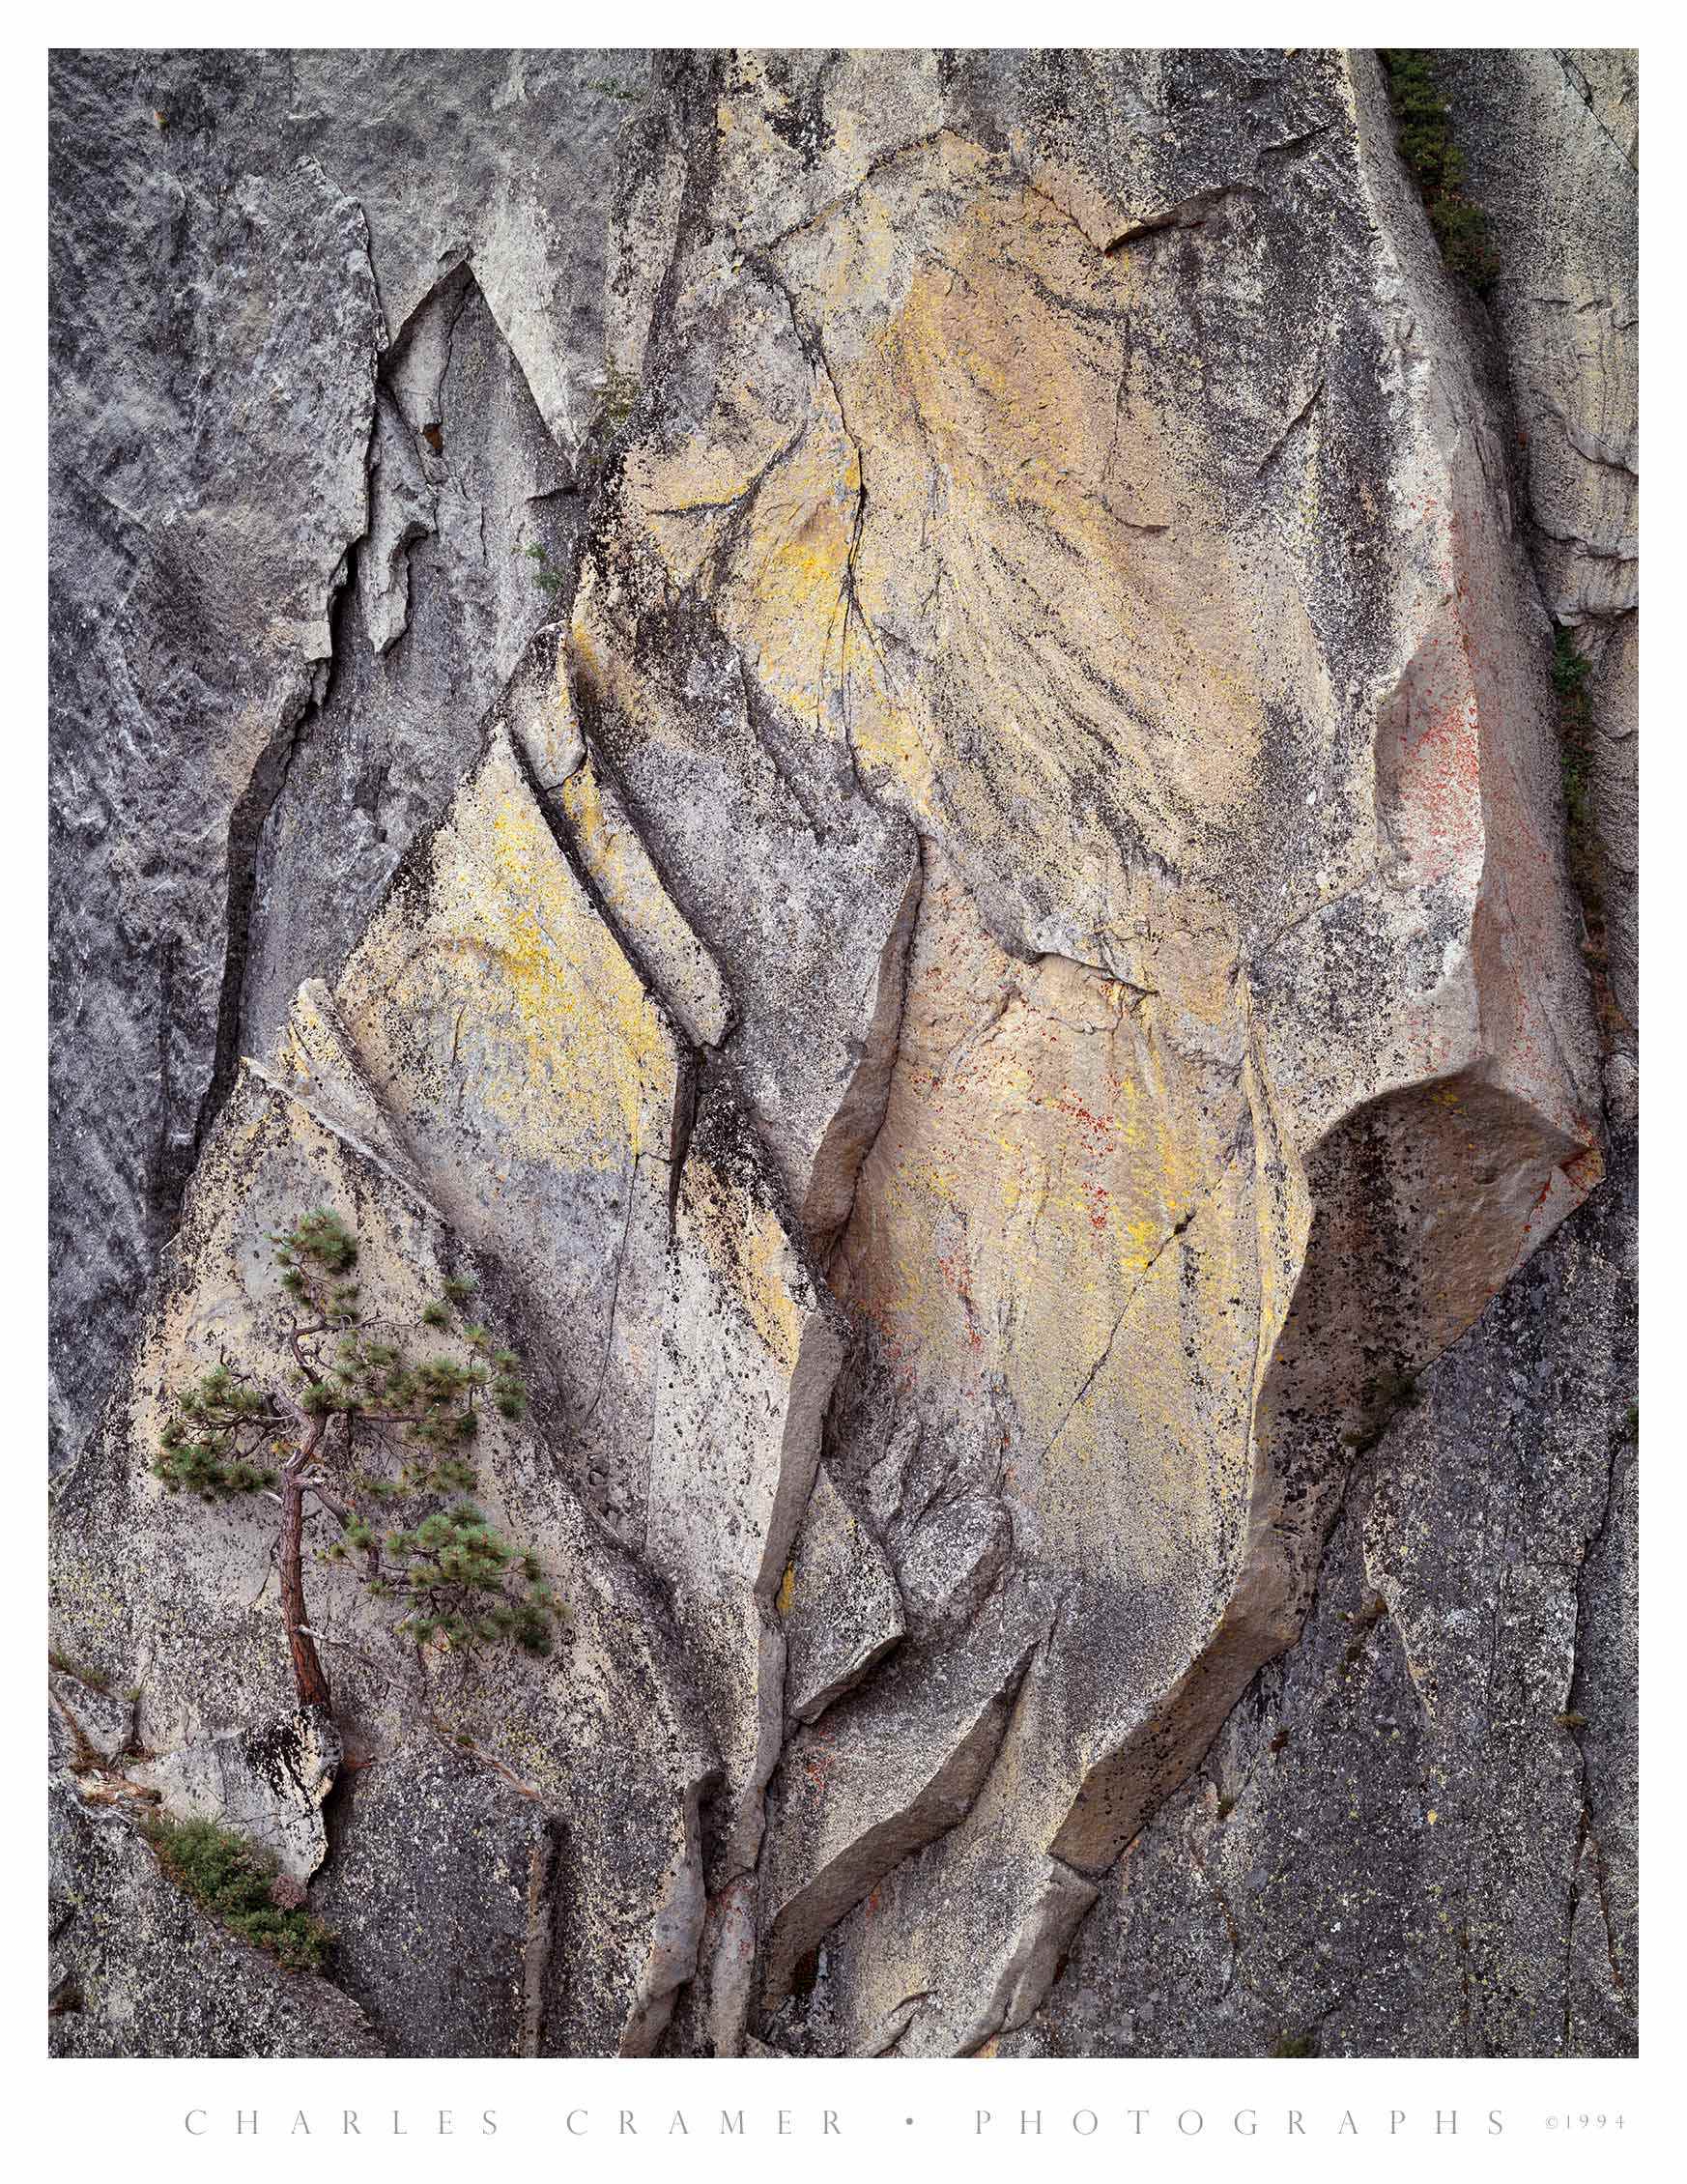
(879, 731)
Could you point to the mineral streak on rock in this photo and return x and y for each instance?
(877, 729)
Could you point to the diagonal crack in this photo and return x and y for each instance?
(1164, 1245)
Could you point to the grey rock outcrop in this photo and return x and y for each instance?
(265, 267)
(136, 1969)
(1414, 1835)
(1551, 141)
(267, 1783)
(879, 730)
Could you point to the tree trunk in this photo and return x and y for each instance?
(307, 1668)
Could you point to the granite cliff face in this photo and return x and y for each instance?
(881, 731)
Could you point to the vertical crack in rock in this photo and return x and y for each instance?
(247, 825)
(860, 1113)
(266, 784)
(1577, 1692)
(466, 551)
(542, 1857)
(676, 1932)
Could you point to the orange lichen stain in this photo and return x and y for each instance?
(819, 1757)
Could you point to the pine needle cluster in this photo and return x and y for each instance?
(216, 1439)
(365, 1420)
(1424, 133)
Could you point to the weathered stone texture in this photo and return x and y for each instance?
(878, 727)
(137, 1970)
(265, 267)
(1550, 145)
(440, 1894)
(1416, 1828)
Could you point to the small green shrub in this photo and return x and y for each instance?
(550, 581)
(1423, 131)
(235, 1881)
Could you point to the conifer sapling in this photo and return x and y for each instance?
(379, 1441)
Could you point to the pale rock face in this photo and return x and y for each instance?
(750, 1350)
(840, 1602)
(1001, 564)
(269, 1784)
(982, 965)
(537, 1084)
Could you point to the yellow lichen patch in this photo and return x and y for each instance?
(789, 597)
(749, 1255)
(504, 990)
(988, 560)
(631, 889)
(1073, 589)
(1056, 1202)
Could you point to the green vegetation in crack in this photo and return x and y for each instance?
(1571, 669)
(357, 1426)
(550, 581)
(95, 1679)
(617, 393)
(1423, 132)
(240, 1885)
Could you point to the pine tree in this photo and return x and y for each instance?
(362, 1430)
